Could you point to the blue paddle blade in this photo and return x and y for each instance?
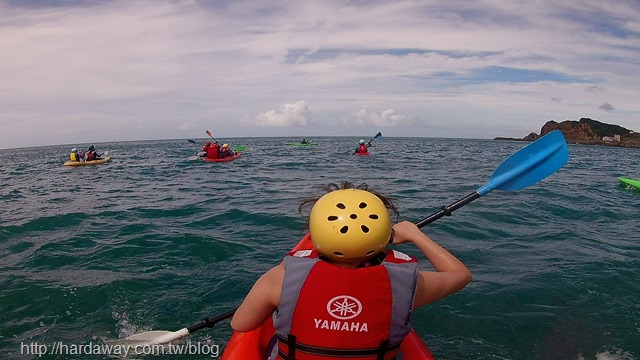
(529, 165)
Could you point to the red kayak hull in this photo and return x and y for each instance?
(230, 158)
(253, 345)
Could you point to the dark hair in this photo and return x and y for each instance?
(387, 201)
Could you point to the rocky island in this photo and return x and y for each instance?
(587, 131)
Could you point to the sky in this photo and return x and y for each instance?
(77, 72)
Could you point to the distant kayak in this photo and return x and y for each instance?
(90, 162)
(230, 158)
(362, 154)
(292, 143)
(630, 182)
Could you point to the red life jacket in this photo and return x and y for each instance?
(362, 149)
(329, 312)
(213, 151)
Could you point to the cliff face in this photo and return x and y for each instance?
(588, 131)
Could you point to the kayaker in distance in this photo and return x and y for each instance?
(213, 150)
(91, 154)
(205, 148)
(362, 148)
(74, 156)
(304, 141)
(225, 152)
(349, 296)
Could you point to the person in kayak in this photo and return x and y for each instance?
(213, 151)
(225, 152)
(363, 148)
(349, 297)
(91, 154)
(74, 156)
(304, 141)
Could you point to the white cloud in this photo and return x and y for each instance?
(387, 118)
(290, 114)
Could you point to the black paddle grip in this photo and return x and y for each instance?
(210, 322)
(447, 210)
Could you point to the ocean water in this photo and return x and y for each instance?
(151, 241)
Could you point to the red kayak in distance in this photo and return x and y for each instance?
(229, 158)
(253, 345)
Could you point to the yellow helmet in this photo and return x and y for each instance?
(350, 225)
(225, 145)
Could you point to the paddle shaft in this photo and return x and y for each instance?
(379, 134)
(447, 210)
(210, 322)
(211, 136)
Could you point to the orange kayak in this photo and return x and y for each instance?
(253, 345)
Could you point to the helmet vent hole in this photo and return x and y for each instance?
(364, 229)
(337, 253)
(344, 229)
(362, 205)
(353, 216)
(332, 218)
(341, 206)
(373, 216)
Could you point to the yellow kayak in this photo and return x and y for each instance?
(90, 162)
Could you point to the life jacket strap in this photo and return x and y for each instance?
(293, 346)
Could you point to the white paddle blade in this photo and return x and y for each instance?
(153, 337)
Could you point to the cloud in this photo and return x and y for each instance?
(187, 125)
(606, 107)
(462, 69)
(290, 114)
(595, 89)
(387, 118)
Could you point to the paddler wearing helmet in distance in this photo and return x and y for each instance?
(349, 297)
(74, 156)
(362, 148)
(225, 151)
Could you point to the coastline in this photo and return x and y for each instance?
(582, 142)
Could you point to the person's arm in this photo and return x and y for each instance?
(261, 301)
(451, 274)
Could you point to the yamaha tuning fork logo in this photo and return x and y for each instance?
(344, 307)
